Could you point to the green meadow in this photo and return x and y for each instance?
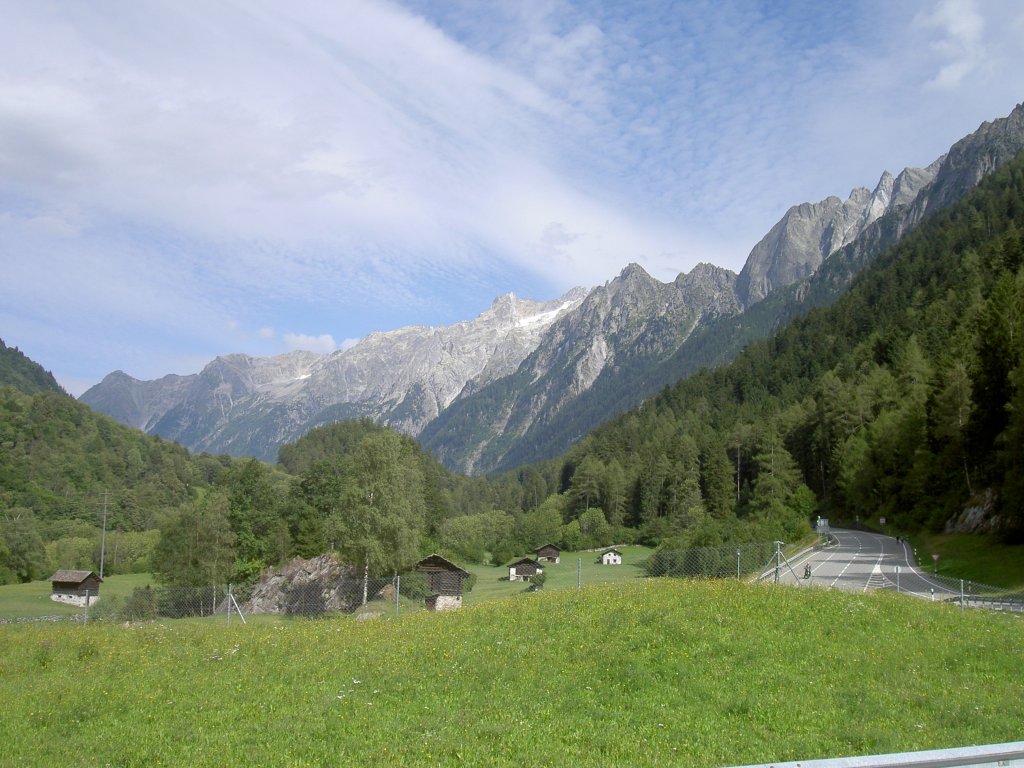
(646, 672)
(982, 558)
(575, 568)
(32, 599)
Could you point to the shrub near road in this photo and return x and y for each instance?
(650, 673)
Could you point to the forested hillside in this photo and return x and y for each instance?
(905, 399)
(62, 465)
(25, 375)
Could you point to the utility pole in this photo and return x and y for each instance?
(103, 536)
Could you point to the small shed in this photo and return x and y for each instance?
(611, 557)
(81, 588)
(523, 569)
(549, 553)
(444, 582)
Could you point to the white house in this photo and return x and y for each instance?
(611, 557)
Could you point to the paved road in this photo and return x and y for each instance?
(861, 561)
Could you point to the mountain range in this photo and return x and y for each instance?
(527, 379)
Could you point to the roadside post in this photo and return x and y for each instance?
(897, 579)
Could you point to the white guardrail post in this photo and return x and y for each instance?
(1009, 755)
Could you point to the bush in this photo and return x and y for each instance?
(140, 605)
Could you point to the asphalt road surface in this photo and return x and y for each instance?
(861, 561)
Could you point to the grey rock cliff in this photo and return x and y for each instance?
(588, 366)
(811, 232)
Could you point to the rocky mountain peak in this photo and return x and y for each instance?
(811, 232)
(117, 377)
(633, 272)
(632, 281)
(970, 160)
(505, 306)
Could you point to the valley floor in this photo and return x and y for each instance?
(647, 673)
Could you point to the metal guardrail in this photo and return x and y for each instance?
(1010, 755)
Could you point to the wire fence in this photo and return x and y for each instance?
(723, 562)
(967, 593)
(362, 597)
(323, 587)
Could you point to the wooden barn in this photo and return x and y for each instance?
(523, 569)
(549, 553)
(80, 588)
(611, 557)
(444, 581)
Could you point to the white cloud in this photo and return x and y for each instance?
(323, 343)
(168, 168)
(960, 45)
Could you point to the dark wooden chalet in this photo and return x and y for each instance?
(75, 586)
(549, 553)
(443, 576)
(523, 569)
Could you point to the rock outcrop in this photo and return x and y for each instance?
(307, 587)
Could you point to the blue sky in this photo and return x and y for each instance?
(182, 180)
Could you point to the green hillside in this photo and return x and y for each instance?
(63, 467)
(653, 673)
(25, 375)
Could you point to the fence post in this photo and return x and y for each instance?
(579, 574)
(86, 620)
(737, 565)
(961, 594)
(398, 591)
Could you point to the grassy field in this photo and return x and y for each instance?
(33, 599)
(972, 556)
(641, 673)
(492, 583)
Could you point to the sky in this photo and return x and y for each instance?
(181, 180)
